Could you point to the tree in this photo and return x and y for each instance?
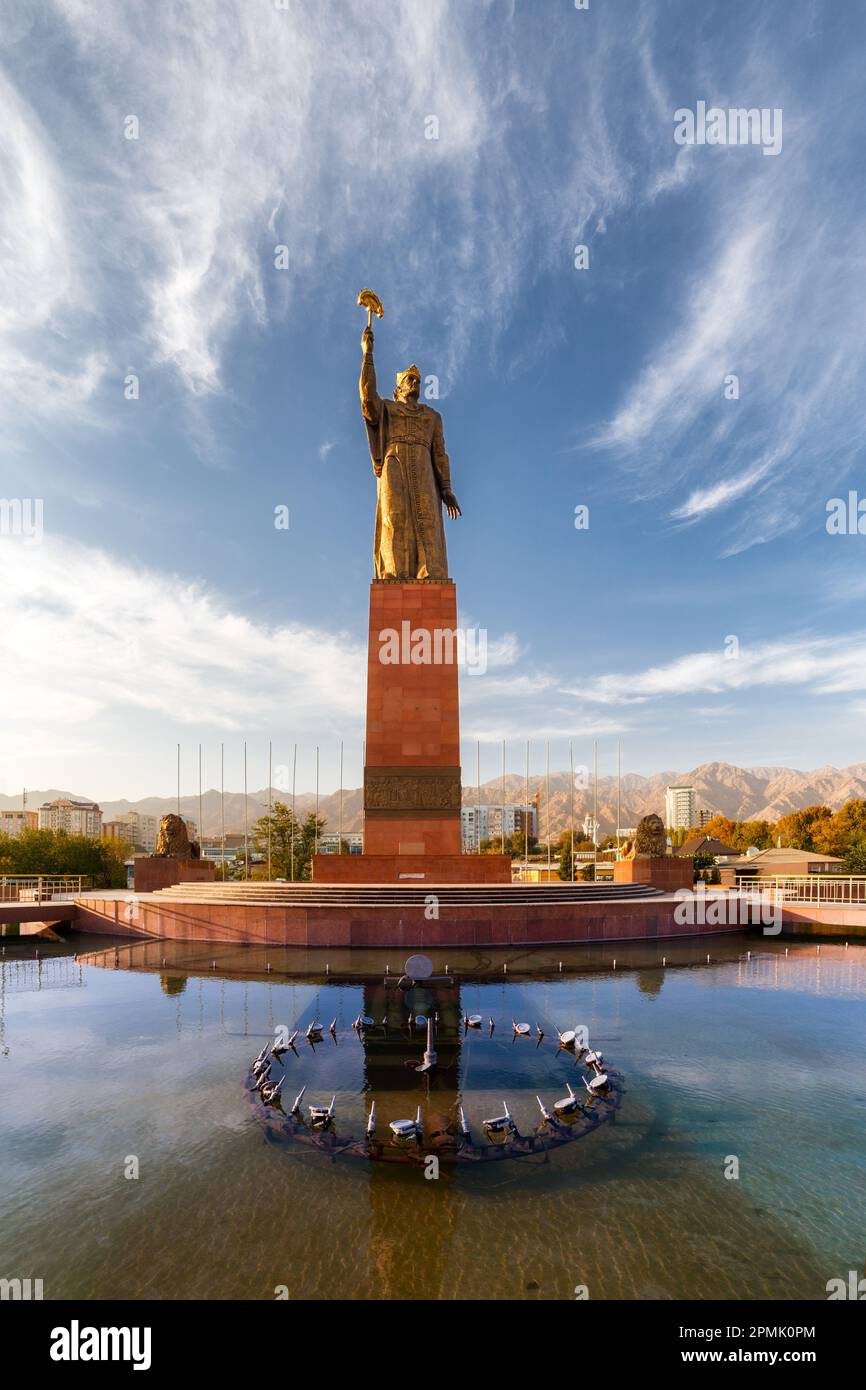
(800, 829)
(721, 828)
(292, 841)
(759, 833)
(515, 844)
(564, 841)
(846, 828)
(702, 864)
(565, 861)
(855, 858)
(55, 852)
(494, 845)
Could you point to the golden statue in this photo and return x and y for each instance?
(407, 449)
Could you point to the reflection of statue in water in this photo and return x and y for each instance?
(407, 448)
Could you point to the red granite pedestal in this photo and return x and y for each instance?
(412, 793)
(666, 872)
(157, 871)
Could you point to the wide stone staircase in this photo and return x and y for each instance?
(401, 895)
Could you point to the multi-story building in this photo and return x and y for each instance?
(116, 830)
(330, 842)
(590, 828)
(473, 827)
(680, 808)
(75, 817)
(487, 822)
(13, 822)
(212, 847)
(136, 829)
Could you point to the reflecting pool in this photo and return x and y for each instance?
(131, 1058)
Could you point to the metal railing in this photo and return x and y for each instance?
(817, 890)
(40, 888)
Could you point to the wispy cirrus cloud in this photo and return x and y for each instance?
(823, 665)
(157, 250)
(690, 363)
(43, 294)
(260, 127)
(773, 291)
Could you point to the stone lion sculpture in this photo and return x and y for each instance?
(650, 841)
(172, 840)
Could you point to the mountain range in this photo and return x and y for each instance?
(742, 793)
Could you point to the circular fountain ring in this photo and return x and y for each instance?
(448, 1146)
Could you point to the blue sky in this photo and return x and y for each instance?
(162, 605)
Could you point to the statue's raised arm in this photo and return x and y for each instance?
(371, 405)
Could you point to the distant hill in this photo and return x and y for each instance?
(743, 793)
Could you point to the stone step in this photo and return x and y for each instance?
(401, 896)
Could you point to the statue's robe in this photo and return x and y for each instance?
(407, 449)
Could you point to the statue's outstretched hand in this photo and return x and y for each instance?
(452, 506)
(367, 340)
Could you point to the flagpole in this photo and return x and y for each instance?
(340, 841)
(478, 792)
(316, 826)
(618, 775)
(363, 770)
(571, 760)
(270, 778)
(223, 804)
(503, 796)
(526, 816)
(178, 779)
(294, 821)
(547, 809)
(246, 832)
(595, 810)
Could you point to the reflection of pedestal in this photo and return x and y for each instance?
(412, 793)
(668, 872)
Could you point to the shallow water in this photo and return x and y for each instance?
(104, 1058)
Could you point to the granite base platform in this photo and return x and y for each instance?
(372, 915)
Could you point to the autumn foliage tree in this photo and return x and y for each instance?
(760, 833)
(806, 829)
(844, 829)
(720, 828)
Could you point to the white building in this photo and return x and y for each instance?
(75, 817)
(590, 828)
(681, 812)
(486, 823)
